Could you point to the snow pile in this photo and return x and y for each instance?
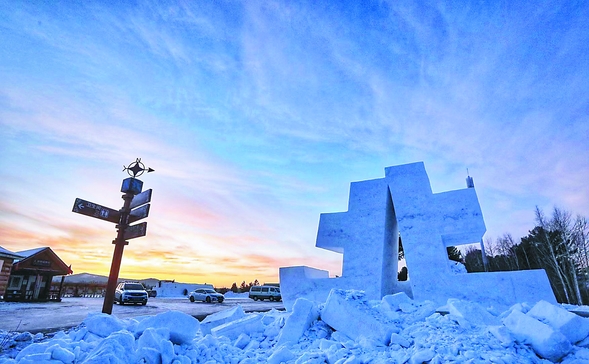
(347, 328)
(176, 289)
(233, 295)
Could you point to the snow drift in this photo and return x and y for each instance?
(347, 328)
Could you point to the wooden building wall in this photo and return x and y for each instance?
(6, 264)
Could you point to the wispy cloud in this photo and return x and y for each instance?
(257, 116)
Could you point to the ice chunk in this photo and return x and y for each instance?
(304, 312)
(391, 302)
(153, 338)
(282, 354)
(220, 318)
(148, 355)
(38, 358)
(183, 327)
(472, 312)
(242, 340)
(545, 341)
(399, 340)
(502, 334)
(24, 336)
(167, 351)
(232, 330)
(407, 307)
(422, 356)
(61, 354)
(584, 343)
(351, 315)
(102, 324)
(40, 348)
(574, 327)
(117, 348)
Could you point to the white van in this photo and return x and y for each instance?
(261, 293)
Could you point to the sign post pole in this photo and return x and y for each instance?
(117, 256)
(133, 197)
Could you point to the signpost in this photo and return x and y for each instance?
(139, 213)
(95, 210)
(141, 199)
(136, 231)
(133, 197)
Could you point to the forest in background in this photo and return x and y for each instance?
(559, 243)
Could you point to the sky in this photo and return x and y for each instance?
(257, 115)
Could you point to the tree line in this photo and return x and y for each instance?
(559, 243)
(243, 287)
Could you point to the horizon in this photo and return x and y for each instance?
(257, 117)
(167, 280)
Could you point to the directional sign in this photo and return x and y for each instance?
(94, 210)
(141, 199)
(139, 213)
(136, 231)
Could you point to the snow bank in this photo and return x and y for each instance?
(233, 295)
(176, 289)
(347, 328)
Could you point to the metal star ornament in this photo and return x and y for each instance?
(137, 168)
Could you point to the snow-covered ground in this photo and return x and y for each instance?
(54, 316)
(345, 329)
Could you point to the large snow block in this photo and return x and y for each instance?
(220, 318)
(471, 312)
(391, 302)
(102, 324)
(349, 313)
(573, 327)
(183, 327)
(232, 330)
(304, 312)
(313, 284)
(546, 342)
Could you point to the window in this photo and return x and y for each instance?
(15, 282)
(265, 289)
(134, 286)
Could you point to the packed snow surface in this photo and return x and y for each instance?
(347, 328)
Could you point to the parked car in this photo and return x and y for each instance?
(206, 295)
(261, 293)
(130, 292)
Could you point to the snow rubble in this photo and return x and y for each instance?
(347, 328)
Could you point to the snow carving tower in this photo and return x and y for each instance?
(402, 205)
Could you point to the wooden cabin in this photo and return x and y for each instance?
(32, 273)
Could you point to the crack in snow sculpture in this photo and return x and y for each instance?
(402, 204)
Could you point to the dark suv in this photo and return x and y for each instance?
(130, 292)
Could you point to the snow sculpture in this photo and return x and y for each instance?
(402, 205)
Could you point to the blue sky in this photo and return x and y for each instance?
(256, 117)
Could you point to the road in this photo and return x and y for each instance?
(54, 316)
